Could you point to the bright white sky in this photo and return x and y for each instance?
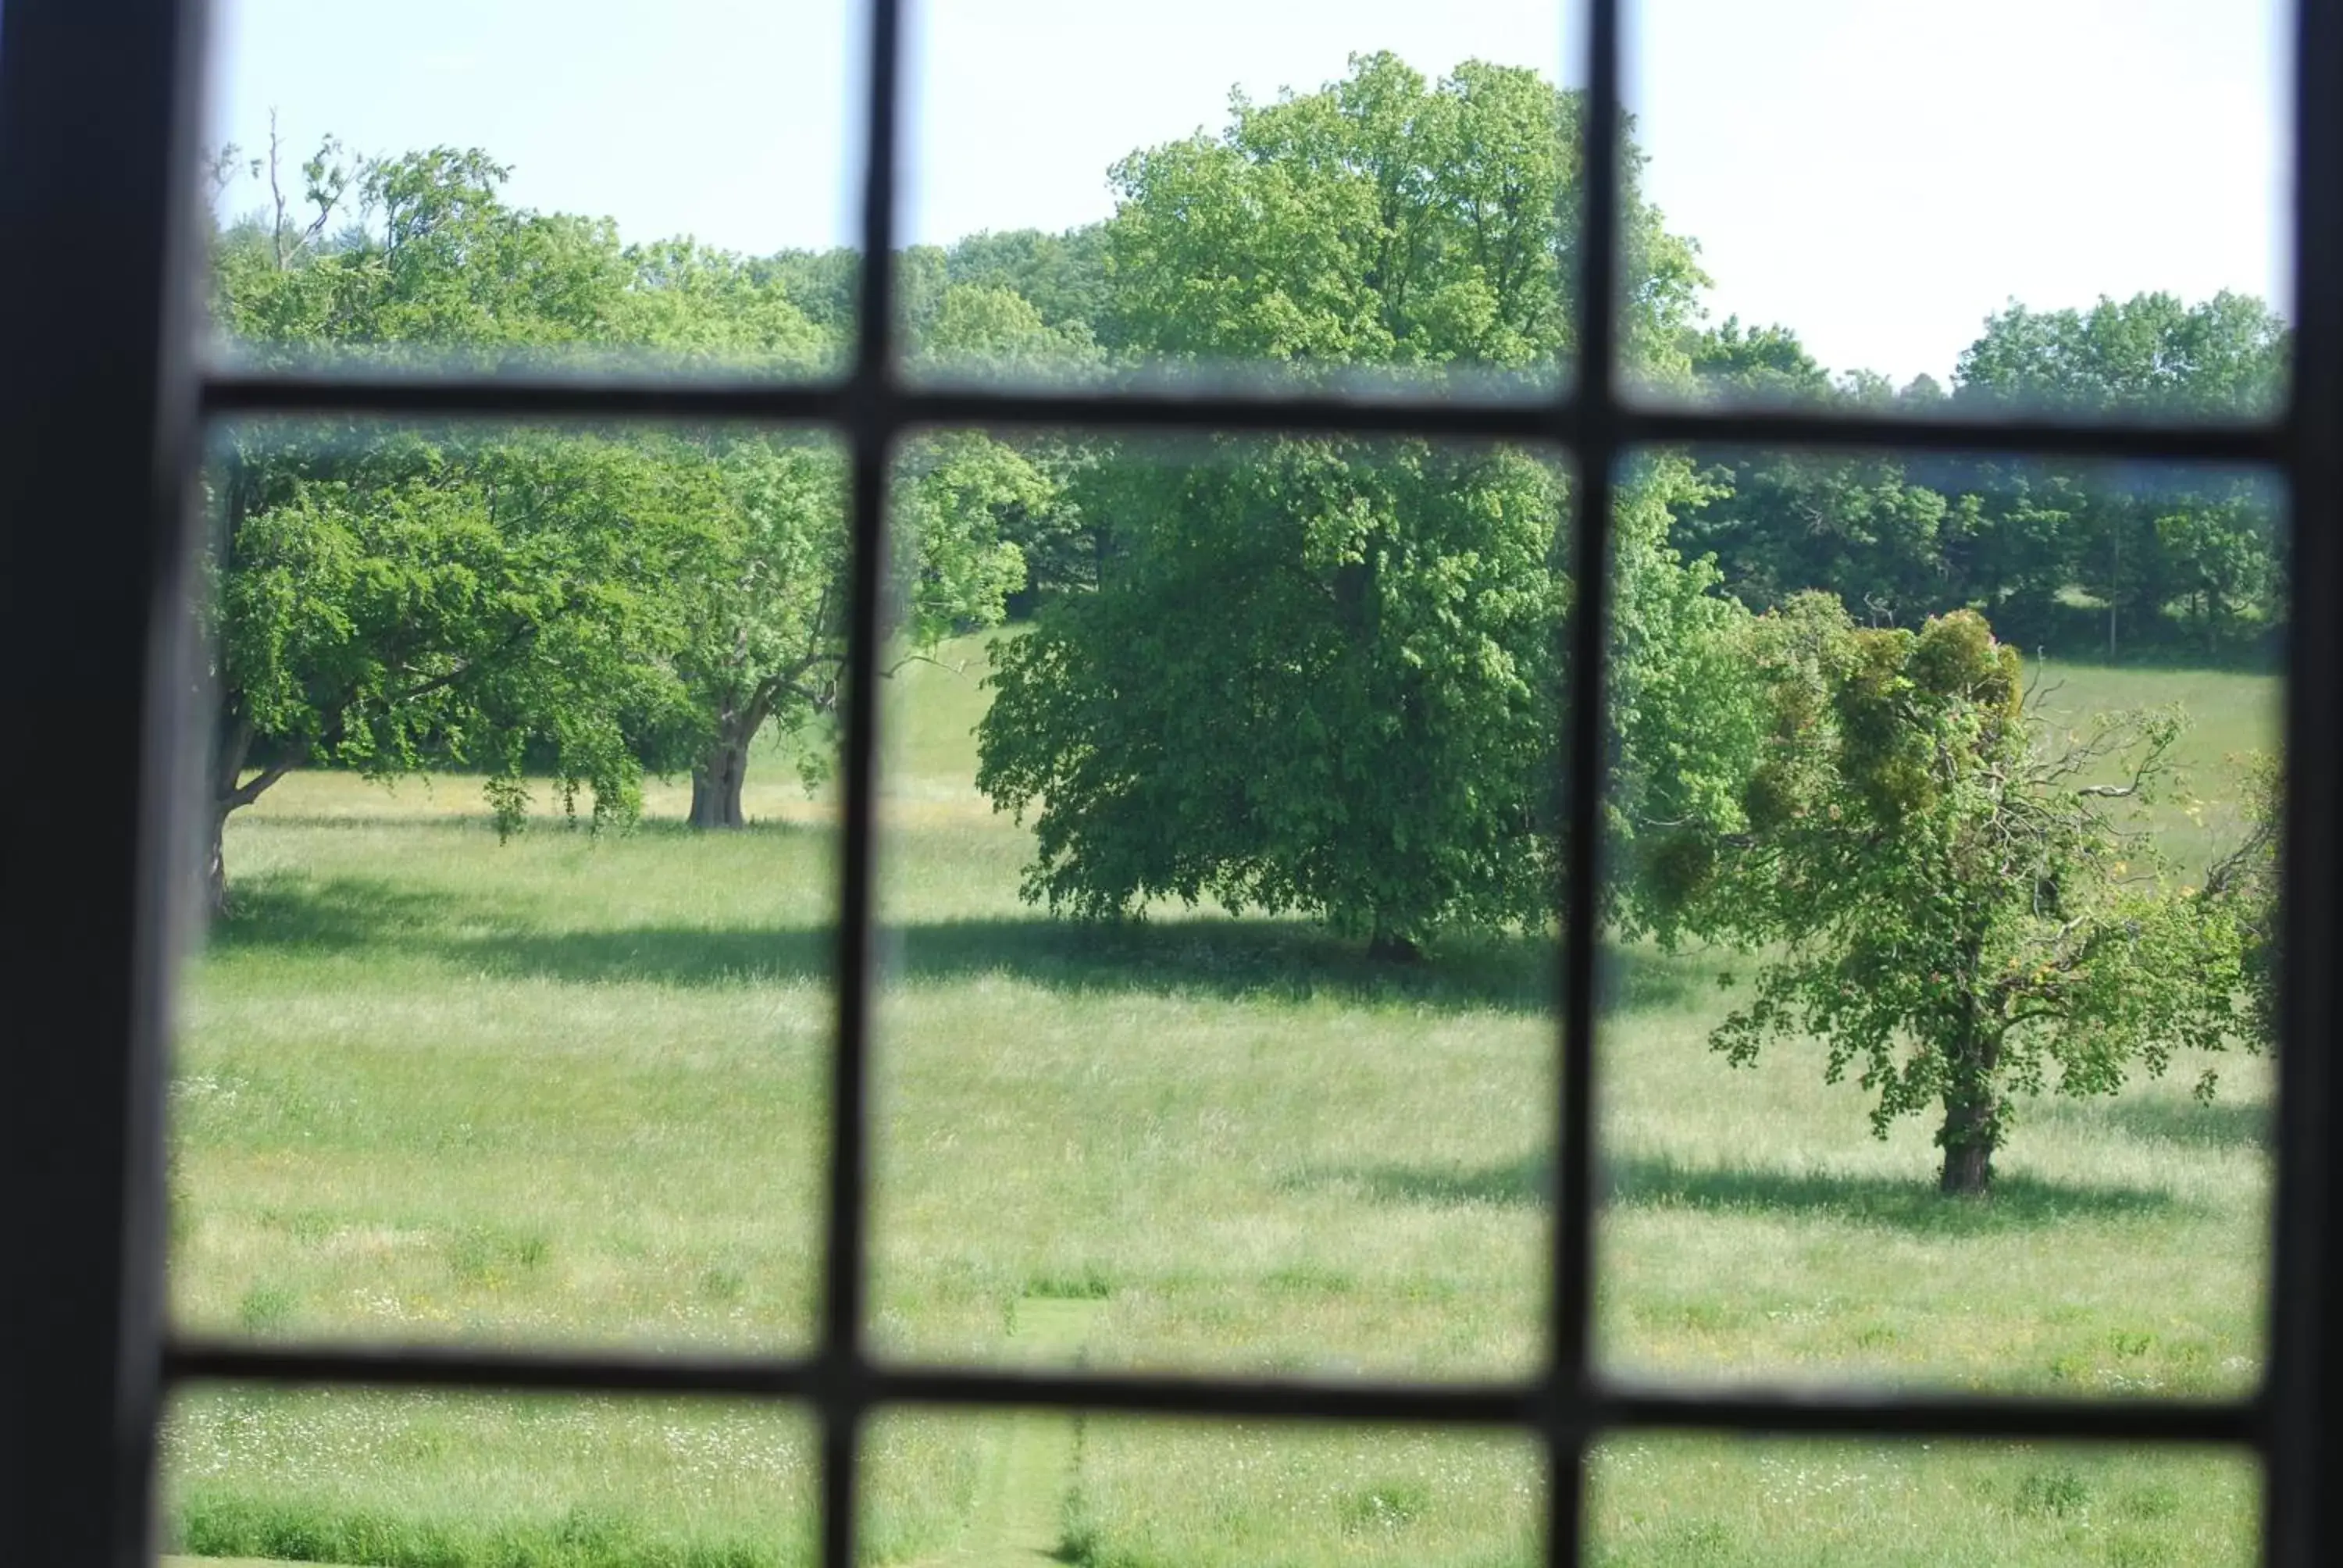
(1878, 174)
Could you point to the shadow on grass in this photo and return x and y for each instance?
(1523, 1184)
(1243, 959)
(335, 914)
(2017, 1202)
(1267, 961)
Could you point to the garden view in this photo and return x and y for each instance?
(1221, 831)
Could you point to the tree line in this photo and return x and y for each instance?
(1304, 674)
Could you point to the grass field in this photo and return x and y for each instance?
(569, 1090)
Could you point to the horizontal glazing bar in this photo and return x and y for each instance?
(1490, 1404)
(466, 1366)
(2212, 443)
(1857, 1415)
(849, 406)
(846, 405)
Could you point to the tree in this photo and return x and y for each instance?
(764, 602)
(388, 600)
(2245, 882)
(762, 608)
(405, 601)
(1957, 907)
(990, 331)
(1264, 699)
(1381, 222)
(2164, 554)
(391, 599)
(1325, 675)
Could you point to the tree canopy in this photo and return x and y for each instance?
(1382, 221)
(1325, 675)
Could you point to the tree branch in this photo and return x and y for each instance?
(245, 794)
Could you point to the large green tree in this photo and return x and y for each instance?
(1324, 675)
(390, 599)
(403, 600)
(1955, 904)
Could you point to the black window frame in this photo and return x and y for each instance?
(103, 401)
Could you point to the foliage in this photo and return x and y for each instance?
(988, 331)
(2149, 355)
(1266, 700)
(763, 599)
(1382, 221)
(391, 599)
(430, 265)
(2194, 555)
(2246, 883)
(1062, 276)
(440, 597)
(1949, 899)
(391, 602)
(1325, 675)
(2082, 557)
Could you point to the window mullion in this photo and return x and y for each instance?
(2305, 1513)
(1591, 424)
(96, 415)
(842, 1390)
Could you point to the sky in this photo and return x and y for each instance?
(1879, 175)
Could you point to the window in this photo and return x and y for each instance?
(99, 434)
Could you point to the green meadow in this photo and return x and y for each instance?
(569, 1090)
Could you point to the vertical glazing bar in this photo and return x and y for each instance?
(870, 431)
(1597, 455)
(97, 119)
(2304, 1516)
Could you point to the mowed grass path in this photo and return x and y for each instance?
(569, 1090)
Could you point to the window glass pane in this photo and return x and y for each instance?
(515, 1011)
(1755, 1503)
(524, 182)
(2074, 207)
(1300, 194)
(406, 1480)
(1041, 1485)
(1936, 1046)
(1219, 827)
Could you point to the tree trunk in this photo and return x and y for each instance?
(1389, 946)
(1968, 1162)
(215, 864)
(231, 745)
(1972, 1129)
(716, 781)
